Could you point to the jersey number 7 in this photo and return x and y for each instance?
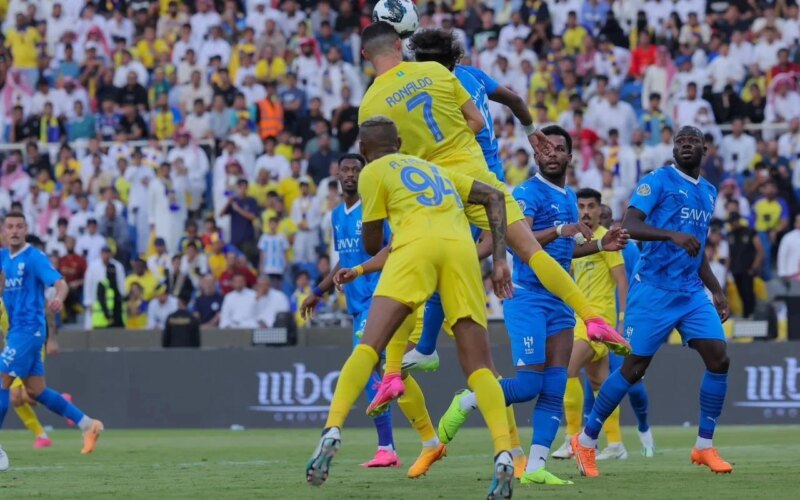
(418, 181)
(425, 100)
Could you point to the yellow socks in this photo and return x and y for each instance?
(29, 419)
(492, 405)
(352, 379)
(611, 427)
(412, 404)
(556, 280)
(573, 405)
(397, 345)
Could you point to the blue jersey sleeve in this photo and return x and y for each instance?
(43, 268)
(487, 81)
(647, 194)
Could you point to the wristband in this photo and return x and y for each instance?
(600, 244)
(621, 316)
(529, 129)
(359, 269)
(559, 228)
(317, 291)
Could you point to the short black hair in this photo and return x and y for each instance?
(353, 156)
(438, 46)
(584, 193)
(15, 214)
(376, 31)
(556, 130)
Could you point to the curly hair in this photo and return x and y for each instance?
(437, 46)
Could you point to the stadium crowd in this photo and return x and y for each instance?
(175, 152)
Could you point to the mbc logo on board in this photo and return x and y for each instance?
(295, 396)
(773, 389)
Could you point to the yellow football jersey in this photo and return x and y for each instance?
(593, 276)
(419, 199)
(424, 100)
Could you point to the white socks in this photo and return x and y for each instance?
(646, 438)
(431, 443)
(537, 458)
(469, 402)
(703, 443)
(386, 448)
(586, 441)
(85, 423)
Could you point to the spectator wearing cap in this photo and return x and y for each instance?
(159, 309)
(98, 271)
(306, 213)
(239, 307)
(243, 211)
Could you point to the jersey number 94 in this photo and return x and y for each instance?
(418, 181)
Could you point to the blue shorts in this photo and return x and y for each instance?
(531, 317)
(652, 313)
(22, 357)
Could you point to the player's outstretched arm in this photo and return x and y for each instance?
(494, 202)
(310, 302)
(373, 265)
(717, 293)
(613, 241)
(639, 230)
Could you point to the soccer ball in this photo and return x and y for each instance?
(401, 14)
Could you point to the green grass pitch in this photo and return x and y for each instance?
(200, 464)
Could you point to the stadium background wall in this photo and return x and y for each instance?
(282, 387)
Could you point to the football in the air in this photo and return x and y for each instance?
(401, 14)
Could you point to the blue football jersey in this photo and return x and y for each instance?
(480, 85)
(347, 241)
(27, 273)
(549, 206)
(630, 254)
(673, 201)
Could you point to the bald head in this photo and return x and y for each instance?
(380, 39)
(378, 137)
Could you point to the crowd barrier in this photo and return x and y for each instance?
(285, 387)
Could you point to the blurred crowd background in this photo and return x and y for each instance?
(183, 154)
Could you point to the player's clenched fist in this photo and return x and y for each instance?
(687, 242)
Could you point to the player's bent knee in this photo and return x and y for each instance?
(634, 368)
(17, 398)
(719, 365)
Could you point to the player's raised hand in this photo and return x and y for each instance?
(572, 230)
(687, 242)
(615, 239)
(308, 306)
(721, 303)
(55, 306)
(343, 277)
(501, 279)
(541, 144)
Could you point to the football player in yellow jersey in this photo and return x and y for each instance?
(438, 121)
(432, 250)
(600, 276)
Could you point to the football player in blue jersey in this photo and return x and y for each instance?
(26, 274)
(670, 212)
(346, 221)
(540, 325)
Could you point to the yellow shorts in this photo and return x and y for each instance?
(417, 269)
(600, 349)
(470, 162)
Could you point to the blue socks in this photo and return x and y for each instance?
(640, 403)
(56, 403)
(609, 397)
(522, 388)
(549, 407)
(431, 325)
(5, 401)
(383, 423)
(588, 398)
(712, 397)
